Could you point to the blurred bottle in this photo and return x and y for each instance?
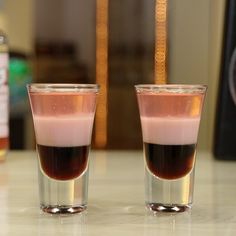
(4, 97)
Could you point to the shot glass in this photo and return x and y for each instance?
(63, 116)
(170, 117)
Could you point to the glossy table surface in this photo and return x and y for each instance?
(116, 199)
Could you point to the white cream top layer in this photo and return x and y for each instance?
(4, 131)
(170, 130)
(63, 131)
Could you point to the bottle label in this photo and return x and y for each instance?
(3, 68)
(4, 95)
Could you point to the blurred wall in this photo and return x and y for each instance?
(68, 20)
(216, 16)
(19, 18)
(195, 35)
(194, 45)
(195, 38)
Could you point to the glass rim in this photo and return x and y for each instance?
(60, 87)
(171, 88)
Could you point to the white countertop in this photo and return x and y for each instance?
(116, 200)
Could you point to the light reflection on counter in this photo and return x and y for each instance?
(100, 163)
(167, 224)
(74, 225)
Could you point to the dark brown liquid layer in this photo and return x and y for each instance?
(169, 161)
(63, 163)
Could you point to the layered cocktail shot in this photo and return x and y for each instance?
(63, 116)
(170, 117)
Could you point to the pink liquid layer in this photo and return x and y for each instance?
(4, 131)
(170, 130)
(63, 131)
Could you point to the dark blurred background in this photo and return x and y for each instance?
(115, 43)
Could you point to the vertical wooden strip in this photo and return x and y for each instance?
(161, 42)
(101, 72)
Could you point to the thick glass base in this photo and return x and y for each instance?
(63, 209)
(163, 195)
(63, 197)
(156, 207)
